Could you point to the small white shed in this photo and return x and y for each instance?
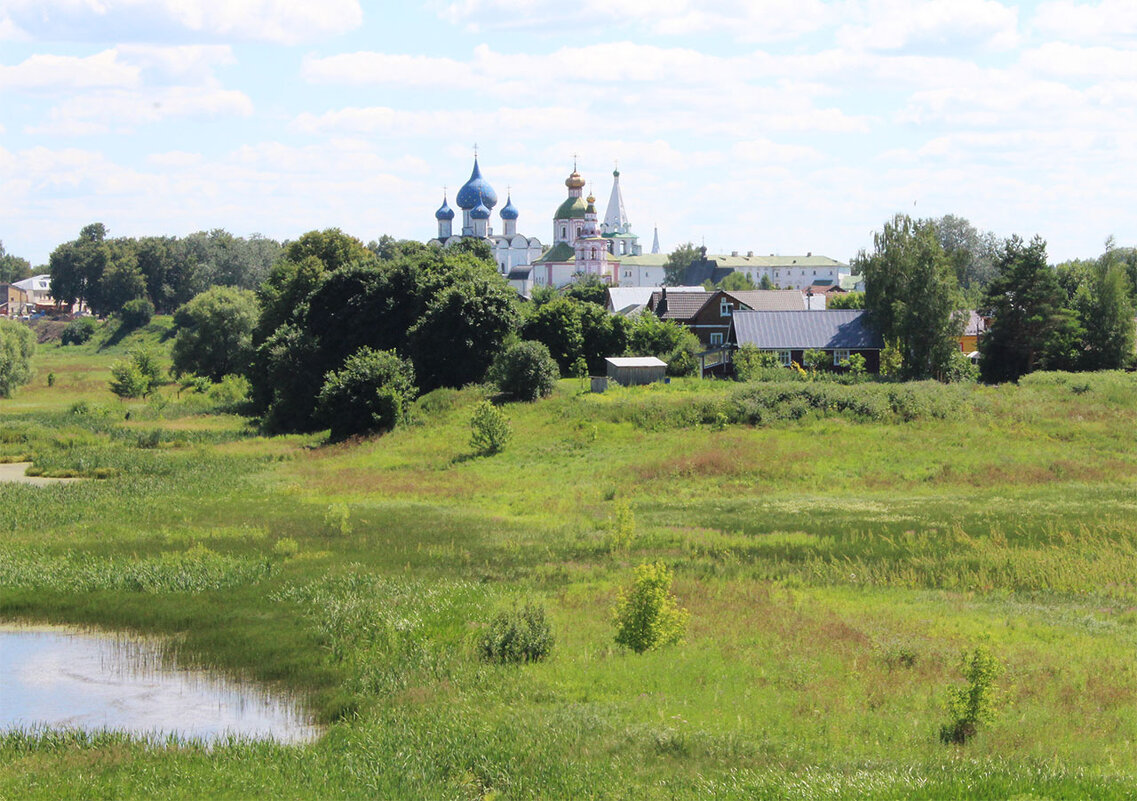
(632, 370)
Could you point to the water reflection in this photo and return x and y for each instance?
(62, 677)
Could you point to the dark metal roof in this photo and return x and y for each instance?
(520, 273)
(845, 329)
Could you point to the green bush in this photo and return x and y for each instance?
(815, 360)
(519, 635)
(525, 371)
(136, 313)
(79, 330)
(370, 393)
(17, 344)
(137, 375)
(648, 615)
(974, 703)
(489, 429)
(749, 362)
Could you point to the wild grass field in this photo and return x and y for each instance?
(837, 548)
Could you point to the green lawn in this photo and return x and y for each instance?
(834, 565)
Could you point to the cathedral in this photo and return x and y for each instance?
(582, 244)
(476, 199)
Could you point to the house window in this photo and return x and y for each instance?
(564, 232)
(724, 308)
(716, 339)
(840, 357)
(784, 357)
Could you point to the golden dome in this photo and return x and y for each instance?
(591, 199)
(574, 181)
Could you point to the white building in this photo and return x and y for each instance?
(477, 199)
(584, 246)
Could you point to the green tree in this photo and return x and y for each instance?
(136, 313)
(13, 268)
(137, 375)
(665, 339)
(1031, 328)
(332, 247)
(214, 333)
(588, 289)
(490, 431)
(371, 392)
(913, 295)
(603, 335)
(845, 300)
(524, 370)
(17, 346)
(675, 268)
(77, 267)
(557, 326)
(121, 280)
(766, 283)
(648, 615)
(977, 701)
(970, 252)
(736, 281)
(459, 333)
(1104, 305)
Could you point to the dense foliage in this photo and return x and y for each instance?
(447, 312)
(912, 294)
(79, 331)
(17, 345)
(215, 333)
(647, 614)
(524, 371)
(518, 635)
(371, 392)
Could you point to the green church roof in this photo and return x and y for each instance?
(572, 209)
(560, 252)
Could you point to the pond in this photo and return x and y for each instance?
(16, 473)
(61, 677)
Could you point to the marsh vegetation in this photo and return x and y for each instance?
(836, 548)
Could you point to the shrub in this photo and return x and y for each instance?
(525, 371)
(519, 635)
(370, 393)
(79, 330)
(136, 313)
(856, 365)
(489, 429)
(648, 616)
(974, 703)
(137, 375)
(814, 360)
(17, 344)
(749, 362)
(128, 381)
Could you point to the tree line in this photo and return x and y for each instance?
(1076, 316)
(165, 271)
(341, 335)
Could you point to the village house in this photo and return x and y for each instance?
(840, 333)
(708, 314)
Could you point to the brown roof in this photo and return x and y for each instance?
(680, 305)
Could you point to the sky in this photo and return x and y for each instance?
(777, 126)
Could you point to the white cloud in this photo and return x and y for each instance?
(1109, 20)
(932, 25)
(749, 20)
(121, 111)
(1062, 60)
(283, 21)
(101, 70)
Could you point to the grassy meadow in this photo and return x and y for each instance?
(837, 548)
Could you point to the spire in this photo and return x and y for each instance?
(616, 219)
(655, 242)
